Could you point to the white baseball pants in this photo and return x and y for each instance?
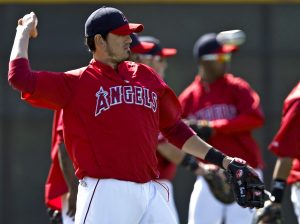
(111, 201)
(295, 198)
(171, 201)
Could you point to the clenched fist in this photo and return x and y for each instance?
(30, 21)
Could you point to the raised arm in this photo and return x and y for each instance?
(19, 75)
(26, 29)
(39, 88)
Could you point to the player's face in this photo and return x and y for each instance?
(117, 47)
(215, 65)
(158, 63)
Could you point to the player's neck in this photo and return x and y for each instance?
(106, 61)
(207, 77)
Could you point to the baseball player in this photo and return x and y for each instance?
(286, 145)
(224, 110)
(61, 185)
(113, 110)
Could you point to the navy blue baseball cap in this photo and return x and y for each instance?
(108, 19)
(139, 47)
(208, 44)
(157, 49)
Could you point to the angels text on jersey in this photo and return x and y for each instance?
(125, 94)
(216, 112)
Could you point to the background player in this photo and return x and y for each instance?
(113, 111)
(61, 186)
(286, 145)
(225, 110)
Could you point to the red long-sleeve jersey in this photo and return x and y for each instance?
(111, 118)
(55, 184)
(286, 142)
(233, 109)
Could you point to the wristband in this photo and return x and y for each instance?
(215, 157)
(190, 162)
(277, 189)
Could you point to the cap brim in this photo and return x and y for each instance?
(142, 47)
(168, 52)
(228, 49)
(128, 29)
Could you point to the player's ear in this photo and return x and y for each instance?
(99, 41)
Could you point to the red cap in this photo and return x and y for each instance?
(225, 49)
(128, 29)
(168, 52)
(158, 49)
(139, 47)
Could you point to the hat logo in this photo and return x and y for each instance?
(124, 18)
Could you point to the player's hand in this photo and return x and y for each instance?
(201, 127)
(54, 216)
(30, 21)
(71, 197)
(270, 213)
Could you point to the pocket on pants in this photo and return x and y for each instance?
(86, 189)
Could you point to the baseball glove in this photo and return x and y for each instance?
(270, 214)
(248, 189)
(218, 183)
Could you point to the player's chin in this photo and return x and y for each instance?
(122, 58)
(126, 55)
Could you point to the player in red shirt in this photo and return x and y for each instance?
(224, 110)
(286, 145)
(113, 110)
(60, 197)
